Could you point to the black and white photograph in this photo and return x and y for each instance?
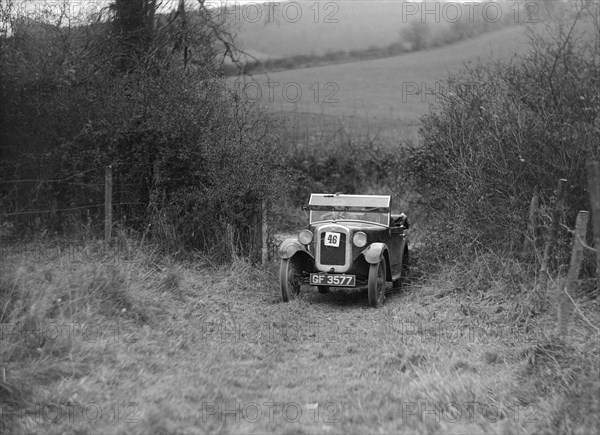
(300, 217)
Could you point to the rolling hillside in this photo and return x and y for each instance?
(332, 26)
(381, 90)
(316, 28)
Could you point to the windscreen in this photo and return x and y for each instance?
(363, 214)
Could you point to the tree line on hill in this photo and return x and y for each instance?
(418, 31)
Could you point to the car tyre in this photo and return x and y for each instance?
(289, 279)
(376, 284)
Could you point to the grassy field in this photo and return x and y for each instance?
(311, 28)
(127, 341)
(316, 30)
(391, 93)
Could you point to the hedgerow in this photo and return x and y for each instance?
(507, 129)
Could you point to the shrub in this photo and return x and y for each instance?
(336, 159)
(506, 129)
(142, 93)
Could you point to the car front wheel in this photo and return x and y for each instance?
(376, 283)
(289, 279)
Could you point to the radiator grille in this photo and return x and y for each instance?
(331, 255)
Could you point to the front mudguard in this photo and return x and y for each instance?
(293, 250)
(289, 247)
(374, 252)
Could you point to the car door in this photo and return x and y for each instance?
(396, 248)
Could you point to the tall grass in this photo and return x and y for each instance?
(64, 309)
(556, 384)
(167, 335)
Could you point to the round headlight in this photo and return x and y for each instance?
(359, 239)
(305, 237)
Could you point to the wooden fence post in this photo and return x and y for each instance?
(552, 233)
(529, 242)
(565, 303)
(265, 235)
(593, 175)
(108, 203)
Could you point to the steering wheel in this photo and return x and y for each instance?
(333, 215)
(339, 214)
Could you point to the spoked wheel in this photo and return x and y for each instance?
(289, 279)
(376, 284)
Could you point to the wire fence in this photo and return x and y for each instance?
(80, 198)
(90, 202)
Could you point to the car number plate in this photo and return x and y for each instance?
(332, 239)
(333, 280)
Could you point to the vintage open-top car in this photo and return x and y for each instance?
(352, 241)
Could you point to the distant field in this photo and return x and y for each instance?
(332, 26)
(315, 28)
(390, 92)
